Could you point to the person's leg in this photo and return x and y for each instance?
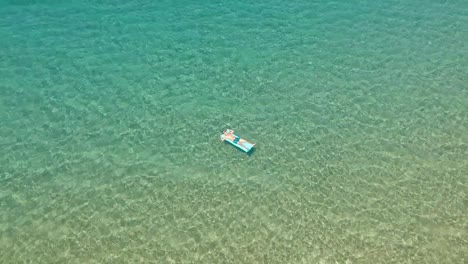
(241, 143)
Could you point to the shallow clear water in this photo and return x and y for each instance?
(110, 115)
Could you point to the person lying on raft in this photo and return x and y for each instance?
(229, 134)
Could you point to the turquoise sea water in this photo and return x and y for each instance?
(110, 115)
